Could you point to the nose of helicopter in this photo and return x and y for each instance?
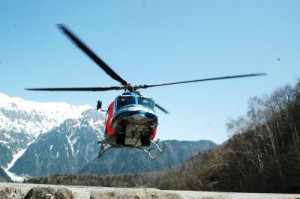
(138, 116)
(135, 114)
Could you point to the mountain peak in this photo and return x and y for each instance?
(20, 115)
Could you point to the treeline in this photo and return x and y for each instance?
(262, 155)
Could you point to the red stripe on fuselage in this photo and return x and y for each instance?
(109, 129)
(153, 134)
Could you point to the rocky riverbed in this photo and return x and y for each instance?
(35, 191)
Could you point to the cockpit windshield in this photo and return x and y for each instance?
(148, 102)
(125, 100)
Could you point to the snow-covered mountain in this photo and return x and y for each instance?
(38, 139)
(23, 122)
(64, 149)
(34, 118)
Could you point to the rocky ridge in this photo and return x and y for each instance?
(33, 191)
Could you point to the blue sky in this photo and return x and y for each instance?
(154, 41)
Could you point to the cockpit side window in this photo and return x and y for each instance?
(124, 100)
(146, 102)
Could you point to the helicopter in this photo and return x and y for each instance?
(131, 119)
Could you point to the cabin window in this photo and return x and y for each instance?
(123, 101)
(146, 102)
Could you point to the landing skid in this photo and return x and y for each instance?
(154, 147)
(153, 151)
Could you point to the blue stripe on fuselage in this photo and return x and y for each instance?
(129, 113)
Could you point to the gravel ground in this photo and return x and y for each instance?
(85, 192)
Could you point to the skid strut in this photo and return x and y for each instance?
(104, 146)
(153, 151)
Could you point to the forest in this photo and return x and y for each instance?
(261, 155)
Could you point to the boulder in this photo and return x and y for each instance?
(49, 193)
(10, 193)
(133, 194)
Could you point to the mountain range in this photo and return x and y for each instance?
(38, 139)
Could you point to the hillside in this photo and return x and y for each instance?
(128, 167)
(3, 176)
(262, 155)
(133, 161)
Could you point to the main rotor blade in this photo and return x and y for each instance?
(92, 55)
(77, 89)
(162, 109)
(202, 80)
